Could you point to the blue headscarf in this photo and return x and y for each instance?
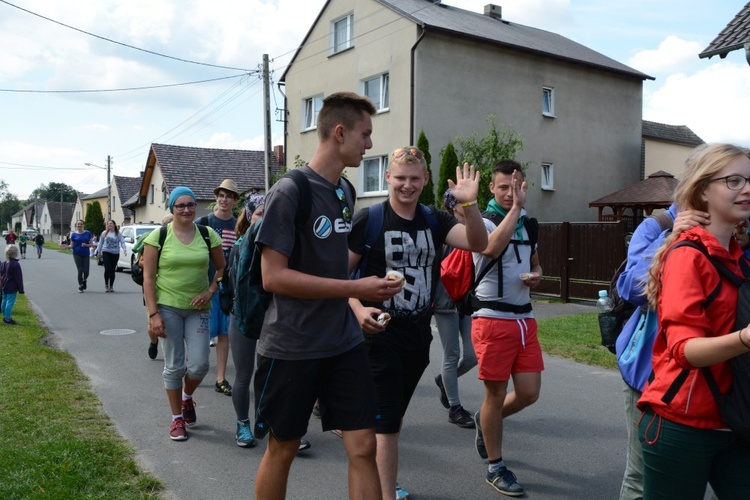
(176, 193)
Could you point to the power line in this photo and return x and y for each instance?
(92, 91)
(121, 43)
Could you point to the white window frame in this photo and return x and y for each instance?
(548, 101)
(383, 100)
(310, 108)
(151, 195)
(342, 45)
(382, 166)
(548, 177)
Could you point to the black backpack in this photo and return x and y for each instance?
(611, 323)
(136, 271)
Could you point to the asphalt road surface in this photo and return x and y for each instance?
(569, 445)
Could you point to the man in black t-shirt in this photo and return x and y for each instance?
(400, 351)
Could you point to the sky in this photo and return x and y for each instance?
(67, 47)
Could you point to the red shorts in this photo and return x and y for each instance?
(506, 346)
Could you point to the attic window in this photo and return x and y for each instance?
(342, 33)
(548, 101)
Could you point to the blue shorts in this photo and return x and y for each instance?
(218, 323)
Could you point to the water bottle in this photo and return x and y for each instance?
(607, 321)
(604, 304)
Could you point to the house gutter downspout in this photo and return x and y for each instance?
(412, 88)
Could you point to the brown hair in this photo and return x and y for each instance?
(243, 224)
(342, 108)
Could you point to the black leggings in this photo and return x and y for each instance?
(82, 266)
(110, 264)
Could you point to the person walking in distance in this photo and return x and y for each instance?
(407, 242)
(23, 240)
(109, 246)
(39, 243)
(222, 221)
(311, 346)
(81, 244)
(503, 329)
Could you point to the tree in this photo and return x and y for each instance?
(484, 152)
(428, 193)
(448, 164)
(52, 191)
(94, 220)
(9, 205)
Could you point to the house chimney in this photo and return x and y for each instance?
(279, 152)
(493, 11)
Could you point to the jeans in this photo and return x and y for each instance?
(9, 300)
(186, 348)
(679, 461)
(455, 332)
(82, 266)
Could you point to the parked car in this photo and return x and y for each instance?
(130, 234)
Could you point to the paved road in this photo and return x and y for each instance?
(568, 445)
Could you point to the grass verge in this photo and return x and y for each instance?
(55, 440)
(576, 337)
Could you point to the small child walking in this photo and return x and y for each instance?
(12, 282)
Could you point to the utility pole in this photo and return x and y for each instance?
(109, 189)
(267, 121)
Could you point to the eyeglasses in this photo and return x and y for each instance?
(345, 212)
(185, 206)
(733, 182)
(401, 152)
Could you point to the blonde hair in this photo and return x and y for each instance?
(11, 252)
(700, 167)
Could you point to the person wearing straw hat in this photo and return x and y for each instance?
(222, 221)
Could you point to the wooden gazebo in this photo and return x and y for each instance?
(631, 204)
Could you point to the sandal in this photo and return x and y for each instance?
(224, 387)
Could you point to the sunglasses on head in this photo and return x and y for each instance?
(408, 151)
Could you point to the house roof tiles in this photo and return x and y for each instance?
(734, 36)
(679, 134)
(126, 188)
(203, 169)
(657, 190)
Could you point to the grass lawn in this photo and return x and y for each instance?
(55, 440)
(576, 337)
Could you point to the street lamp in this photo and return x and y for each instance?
(109, 185)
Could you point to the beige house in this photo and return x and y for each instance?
(98, 196)
(666, 147)
(443, 70)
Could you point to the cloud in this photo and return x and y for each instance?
(673, 54)
(710, 101)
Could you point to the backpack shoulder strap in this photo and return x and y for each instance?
(204, 234)
(304, 203)
(373, 226)
(532, 228)
(430, 217)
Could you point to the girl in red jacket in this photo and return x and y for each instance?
(684, 439)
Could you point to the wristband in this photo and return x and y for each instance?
(157, 312)
(468, 203)
(747, 346)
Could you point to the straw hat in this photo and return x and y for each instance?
(228, 185)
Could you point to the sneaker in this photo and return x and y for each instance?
(504, 481)
(304, 444)
(84, 284)
(443, 395)
(479, 438)
(177, 431)
(401, 494)
(188, 411)
(212, 342)
(461, 418)
(80, 288)
(153, 349)
(224, 387)
(9, 321)
(244, 435)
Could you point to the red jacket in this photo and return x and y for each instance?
(687, 279)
